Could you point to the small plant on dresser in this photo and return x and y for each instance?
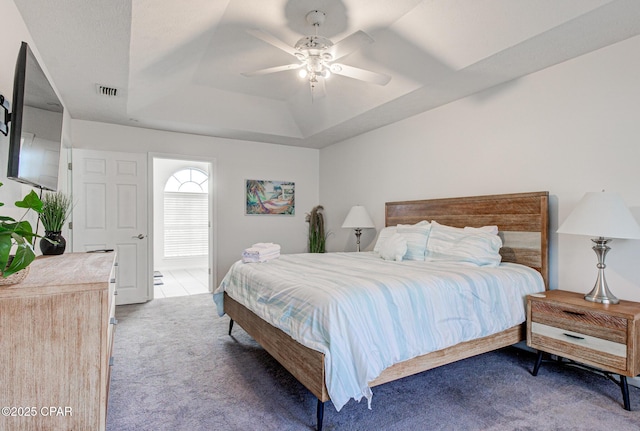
(56, 208)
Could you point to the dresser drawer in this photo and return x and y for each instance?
(112, 321)
(585, 322)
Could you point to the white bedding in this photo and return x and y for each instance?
(366, 314)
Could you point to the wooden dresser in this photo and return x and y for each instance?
(56, 337)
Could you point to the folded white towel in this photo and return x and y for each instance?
(266, 246)
(261, 252)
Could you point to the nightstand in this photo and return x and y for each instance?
(604, 336)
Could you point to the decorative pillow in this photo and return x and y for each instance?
(473, 245)
(384, 235)
(394, 248)
(416, 236)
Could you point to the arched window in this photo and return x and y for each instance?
(186, 214)
(189, 180)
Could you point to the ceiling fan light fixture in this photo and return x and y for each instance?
(316, 55)
(314, 64)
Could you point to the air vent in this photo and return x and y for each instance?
(106, 91)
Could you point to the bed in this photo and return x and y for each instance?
(522, 220)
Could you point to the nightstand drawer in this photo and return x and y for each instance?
(578, 346)
(587, 322)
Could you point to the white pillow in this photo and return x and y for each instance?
(416, 236)
(384, 235)
(394, 248)
(490, 229)
(472, 245)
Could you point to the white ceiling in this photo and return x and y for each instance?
(177, 65)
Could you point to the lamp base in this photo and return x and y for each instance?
(358, 233)
(601, 297)
(600, 292)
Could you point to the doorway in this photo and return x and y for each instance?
(182, 226)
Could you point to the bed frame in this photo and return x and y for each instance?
(523, 222)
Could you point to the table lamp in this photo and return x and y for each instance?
(358, 219)
(605, 216)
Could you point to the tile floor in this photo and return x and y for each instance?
(181, 282)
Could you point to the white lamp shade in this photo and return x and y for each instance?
(601, 214)
(358, 218)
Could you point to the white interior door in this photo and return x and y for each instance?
(110, 197)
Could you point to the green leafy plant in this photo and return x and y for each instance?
(19, 236)
(317, 237)
(56, 208)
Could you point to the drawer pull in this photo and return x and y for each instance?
(574, 313)
(112, 281)
(573, 336)
(113, 321)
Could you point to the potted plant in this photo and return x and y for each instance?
(317, 237)
(18, 236)
(56, 208)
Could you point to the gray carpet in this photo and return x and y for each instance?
(177, 369)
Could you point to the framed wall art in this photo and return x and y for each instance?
(270, 197)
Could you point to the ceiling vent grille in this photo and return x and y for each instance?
(106, 91)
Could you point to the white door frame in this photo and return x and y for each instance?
(213, 228)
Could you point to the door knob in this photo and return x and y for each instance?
(139, 236)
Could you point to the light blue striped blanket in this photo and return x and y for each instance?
(366, 314)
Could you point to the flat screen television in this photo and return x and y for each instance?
(35, 136)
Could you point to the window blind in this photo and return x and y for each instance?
(186, 224)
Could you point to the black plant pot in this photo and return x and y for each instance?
(52, 248)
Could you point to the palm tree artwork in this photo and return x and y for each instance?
(270, 197)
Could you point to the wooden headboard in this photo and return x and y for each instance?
(522, 219)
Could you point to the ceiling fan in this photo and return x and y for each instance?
(317, 56)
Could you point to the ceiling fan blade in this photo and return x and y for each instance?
(272, 40)
(361, 74)
(349, 44)
(272, 70)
